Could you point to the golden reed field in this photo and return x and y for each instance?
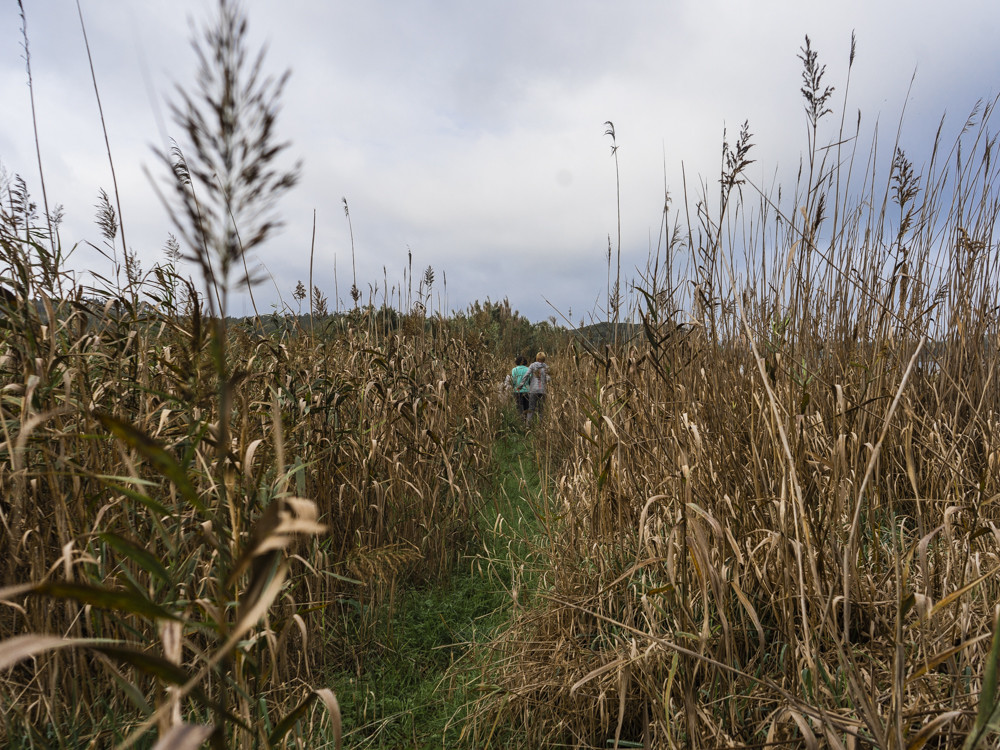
(759, 511)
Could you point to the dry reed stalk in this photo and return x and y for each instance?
(147, 489)
(779, 524)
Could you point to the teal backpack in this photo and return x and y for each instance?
(519, 379)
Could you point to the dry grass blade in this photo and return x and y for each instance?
(959, 593)
(931, 728)
(610, 666)
(938, 659)
(184, 737)
(278, 527)
(329, 700)
(22, 647)
(808, 736)
(333, 709)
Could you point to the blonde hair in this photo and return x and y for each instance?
(540, 357)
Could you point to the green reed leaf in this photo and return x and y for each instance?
(150, 664)
(988, 716)
(289, 720)
(332, 707)
(139, 497)
(155, 453)
(110, 599)
(140, 556)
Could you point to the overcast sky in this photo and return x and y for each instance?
(471, 132)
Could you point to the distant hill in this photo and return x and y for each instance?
(600, 334)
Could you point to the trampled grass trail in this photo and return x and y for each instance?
(412, 683)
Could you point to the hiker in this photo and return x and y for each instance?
(517, 381)
(538, 378)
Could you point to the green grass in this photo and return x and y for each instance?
(416, 677)
(406, 696)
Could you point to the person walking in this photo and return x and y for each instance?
(538, 379)
(517, 382)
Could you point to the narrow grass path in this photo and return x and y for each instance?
(417, 682)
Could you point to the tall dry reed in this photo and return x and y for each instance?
(192, 505)
(776, 521)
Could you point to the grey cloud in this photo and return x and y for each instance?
(472, 132)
